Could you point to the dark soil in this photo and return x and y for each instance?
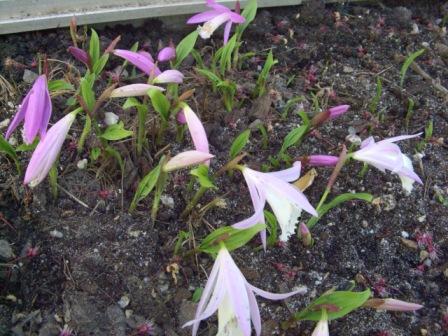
(106, 255)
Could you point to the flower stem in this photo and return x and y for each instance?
(160, 187)
(194, 201)
(142, 112)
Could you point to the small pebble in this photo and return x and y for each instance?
(347, 69)
(82, 164)
(5, 250)
(167, 201)
(56, 234)
(124, 301)
(404, 234)
(4, 123)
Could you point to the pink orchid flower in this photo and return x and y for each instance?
(285, 199)
(228, 291)
(47, 151)
(141, 60)
(214, 18)
(35, 110)
(166, 54)
(186, 159)
(386, 154)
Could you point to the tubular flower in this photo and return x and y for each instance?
(133, 90)
(392, 305)
(215, 17)
(141, 60)
(229, 292)
(186, 159)
(47, 151)
(166, 54)
(80, 55)
(35, 110)
(286, 200)
(386, 154)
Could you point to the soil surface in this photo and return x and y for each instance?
(103, 271)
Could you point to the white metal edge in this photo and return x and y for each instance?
(114, 14)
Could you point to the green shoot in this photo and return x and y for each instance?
(407, 63)
(239, 143)
(260, 88)
(373, 107)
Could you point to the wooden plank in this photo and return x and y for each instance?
(28, 15)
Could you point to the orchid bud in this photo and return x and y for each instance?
(133, 90)
(110, 118)
(186, 159)
(305, 235)
(166, 54)
(169, 76)
(337, 111)
(392, 305)
(180, 117)
(322, 160)
(79, 54)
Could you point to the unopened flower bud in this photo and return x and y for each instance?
(392, 305)
(322, 160)
(305, 235)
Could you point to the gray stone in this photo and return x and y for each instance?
(29, 76)
(5, 250)
(117, 320)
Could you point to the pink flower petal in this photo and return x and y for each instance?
(166, 54)
(275, 296)
(203, 17)
(288, 175)
(254, 311)
(169, 76)
(141, 61)
(196, 129)
(133, 90)
(19, 117)
(186, 159)
(227, 31)
(400, 137)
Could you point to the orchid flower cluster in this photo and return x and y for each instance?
(227, 291)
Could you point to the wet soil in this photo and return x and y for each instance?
(103, 271)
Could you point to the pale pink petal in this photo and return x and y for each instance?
(36, 109)
(133, 90)
(19, 117)
(186, 159)
(203, 17)
(275, 296)
(321, 329)
(147, 55)
(236, 18)
(166, 54)
(141, 61)
(398, 305)
(169, 76)
(400, 137)
(227, 31)
(254, 311)
(288, 175)
(367, 142)
(196, 130)
(46, 113)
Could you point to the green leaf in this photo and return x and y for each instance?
(249, 12)
(290, 104)
(239, 143)
(27, 148)
(293, 137)
(85, 133)
(428, 130)
(335, 202)
(185, 46)
(146, 185)
(115, 154)
(7, 149)
(94, 47)
(197, 294)
(87, 92)
(231, 237)
(201, 172)
(272, 227)
(131, 102)
(100, 64)
(116, 132)
(225, 59)
(95, 153)
(210, 75)
(260, 89)
(407, 63)
(160, 103)
(59, 85)
(337, 304)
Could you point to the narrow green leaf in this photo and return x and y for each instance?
(185, 46)
(225, 59)
(85, 133)
(115, 154)
(94, 47)
(197, 294)
(239, 143)
(95, 153)
(231, 237)
(131, 102)
(201, 172)
(407, 63)
(7, 149)
(249, 12)
(87, 93)
(160, 103)
(272, 227)
(100, 64)
(293, 137)
(337, 304)
(337, 201)
(210, 75)
(59, 85)
(260, 89)
(116, 132)
(290, 104)
(145, 186)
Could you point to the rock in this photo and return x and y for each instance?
(167, 201)
(117, 320)
(186, 313)
(400, 17)
(56, 234)
(347, 69)
(389, 202)
(82, 164)
(49, 329)
(4, 123)
(124, 301)
(29, 76)
(5, 250)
